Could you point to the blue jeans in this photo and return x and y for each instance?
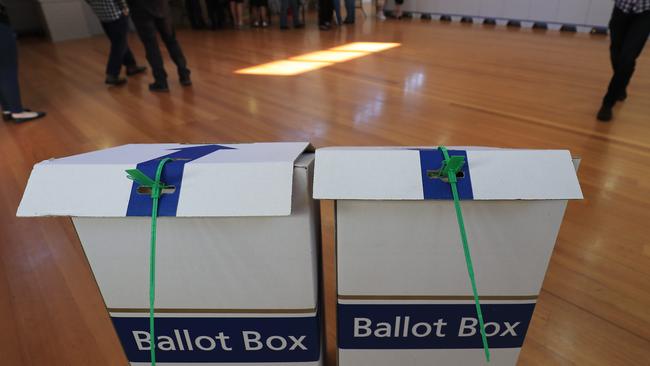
(337, 11)
(350, 7)
(9, 88)
(284, 6)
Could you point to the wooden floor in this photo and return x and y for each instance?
(447, 84)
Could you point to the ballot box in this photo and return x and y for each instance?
(237, 252)
(404, 294)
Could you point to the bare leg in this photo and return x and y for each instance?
(264, 15)
(255, 14)
(233, 11)
(240, 12)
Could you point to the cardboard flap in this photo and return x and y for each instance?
(207, 181)
(409, 174)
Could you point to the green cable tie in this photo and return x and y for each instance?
(156, 190)
(450, 167)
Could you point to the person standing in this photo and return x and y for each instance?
(337, 12)
(350, 8)
(629, 30)
(217, 13)
(12, 108)
(195, 14)
(259, 10)
(325, 10)
(151, 17)
(114, 17)
(237, 10)
(381, 5)
(284, 7)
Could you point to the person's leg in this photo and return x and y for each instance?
(284, 7)
(118, 48)
(146, 27)
(349, 11)
(398, 9)
(264, 15)
(381, 4)
(240, 12)
(618, 25)
(255, 15)
(9, 87)
(634, 40)
(128, 59)
(12, 108)
(195, 13)
(233, 11)
(295, 13)
(168, 35)
(633, 45)
(337, 11)
(212, 13)
(325, 14)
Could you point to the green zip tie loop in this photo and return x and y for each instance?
(156, 190)
(450, 167)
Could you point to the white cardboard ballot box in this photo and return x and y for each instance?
(404, 295)
(237, 250)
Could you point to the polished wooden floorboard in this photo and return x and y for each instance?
(447, 84)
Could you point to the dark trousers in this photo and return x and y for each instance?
(195, 13)
(325, 9)
(147, 27)
(9, 88)
(629, 33)
(118, 31)
(217, 13)
(350, 8)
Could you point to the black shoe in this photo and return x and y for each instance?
(284, 27)
(159, 86)
(348, 21)
(605, 114)
(185, 80)
(622, 97)
(134, 70)
(324, 27)
(30, 116)
(115, 80)
(299, 26)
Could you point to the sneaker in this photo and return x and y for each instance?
(265, 24)
(256, 24)
(381, 15)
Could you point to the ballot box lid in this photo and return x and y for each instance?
(410, 173)
(206, 180)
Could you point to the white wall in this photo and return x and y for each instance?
(69, 19)
(572, 12)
